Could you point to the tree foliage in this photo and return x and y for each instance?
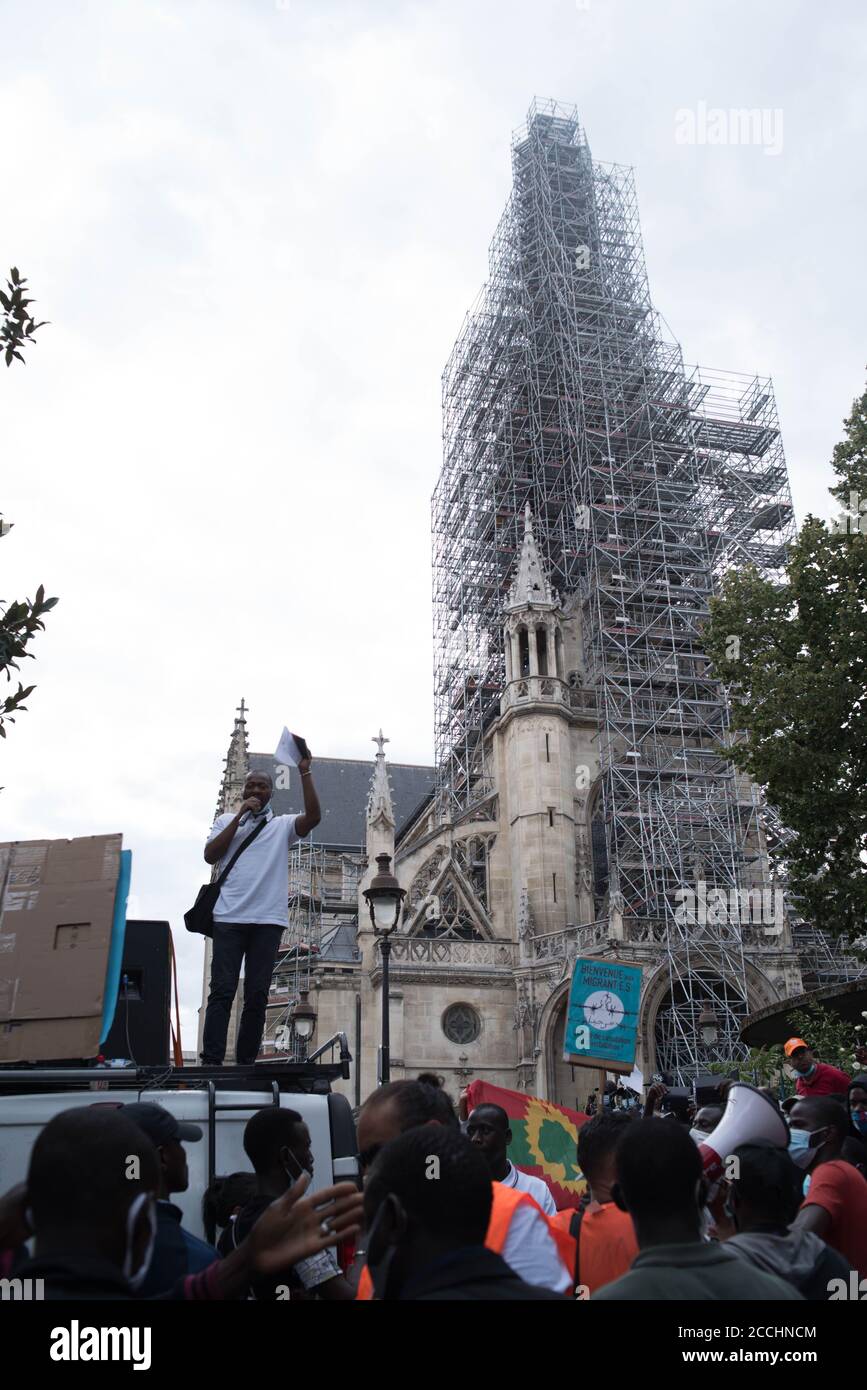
(17, 325)
(794, 657)
(22, 619)
(831, 1039)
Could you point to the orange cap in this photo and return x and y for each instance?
(793, 1044)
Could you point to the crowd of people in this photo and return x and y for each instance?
(443, 1213)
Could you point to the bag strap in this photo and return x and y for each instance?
(575, 1233)
(218, 883)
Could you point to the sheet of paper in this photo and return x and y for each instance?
(288, 750)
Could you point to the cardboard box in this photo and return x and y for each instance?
(57, 909)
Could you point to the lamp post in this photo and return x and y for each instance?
(384, 900)
(303, 1021)
(708, 1027)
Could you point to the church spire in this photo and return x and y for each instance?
(237, 763)
(379, 807)
(531, 587)
(379, 838)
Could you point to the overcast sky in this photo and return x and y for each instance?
(256, 228)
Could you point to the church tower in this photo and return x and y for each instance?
(537, 777)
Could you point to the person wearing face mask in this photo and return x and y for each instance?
(251, 912)
(177, 1251)
(661, 1183)
(835, 1205)
(277, 1143)
(761, 1204)
(814, 1078)
(90, 1201)
(857, 1106)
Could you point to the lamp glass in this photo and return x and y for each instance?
(386, 907)
(303, 1027)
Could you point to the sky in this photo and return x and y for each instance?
(255, 227)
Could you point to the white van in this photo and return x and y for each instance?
(220, 1101)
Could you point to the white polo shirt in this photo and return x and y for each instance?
(257, 890)
(538, 1190)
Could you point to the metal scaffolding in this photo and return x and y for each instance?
(323, 895)
(647, 482)
(299, 949)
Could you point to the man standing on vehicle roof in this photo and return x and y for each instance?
(252, 911)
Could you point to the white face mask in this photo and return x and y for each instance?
(698, 1136)
(135, 1280)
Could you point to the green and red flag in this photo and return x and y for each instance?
(544, 1138)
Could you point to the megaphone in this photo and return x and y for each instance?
(748, 1116)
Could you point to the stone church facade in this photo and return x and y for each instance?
(499, 902)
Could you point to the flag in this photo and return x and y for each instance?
(544, 1138)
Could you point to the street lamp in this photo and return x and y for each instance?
(384, 900)
(708, 1026)
(303, 1016)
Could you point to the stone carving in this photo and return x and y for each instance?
(438, 950)
(525, 916)
(527, 1011)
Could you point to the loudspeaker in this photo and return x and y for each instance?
(140, 1030)
(748, 1115)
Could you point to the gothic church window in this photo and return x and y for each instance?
(454, 920)
(461, 1023)
(524, 651)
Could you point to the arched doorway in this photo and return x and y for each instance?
(677, 1032)
(568, 1085)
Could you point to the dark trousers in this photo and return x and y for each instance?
(257, 947)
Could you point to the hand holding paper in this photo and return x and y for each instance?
(291, 749)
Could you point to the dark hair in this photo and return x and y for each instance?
(450, 1199)
(418, 1103)
(78, 1175)
(269, 1130)
(823, 1111)
(502, 1117)
(430, 1078)
(658, 1167)
(225, 1194)
(768, 1181)
(599, 1137)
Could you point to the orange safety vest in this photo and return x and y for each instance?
(505, 1204)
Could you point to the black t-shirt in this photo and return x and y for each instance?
(264, 1290)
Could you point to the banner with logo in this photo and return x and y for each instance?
(602, 1017)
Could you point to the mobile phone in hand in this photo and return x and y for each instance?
(302, 746)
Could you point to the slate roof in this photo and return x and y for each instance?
(340, 943)
(343, 785)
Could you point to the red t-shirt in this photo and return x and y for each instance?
(825, 1081)
(842, 1191)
